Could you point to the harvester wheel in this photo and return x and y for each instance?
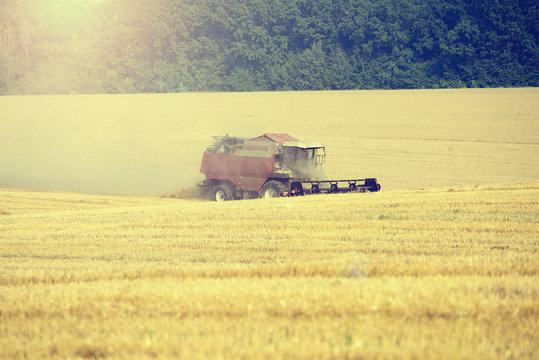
(271, 189)
(221, 192)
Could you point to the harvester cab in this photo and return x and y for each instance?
(302, 160)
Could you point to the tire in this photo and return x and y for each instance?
(221, 192)
(272, 189)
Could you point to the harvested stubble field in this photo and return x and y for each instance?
(440, 273)
(447, 272)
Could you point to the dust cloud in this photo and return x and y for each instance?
(98, 180)
(78, 175)
(307, 170)
(311, 173)
(105, 162)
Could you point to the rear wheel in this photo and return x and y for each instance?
(221, 192)
(272, 189)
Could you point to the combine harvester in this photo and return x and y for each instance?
(270, 165)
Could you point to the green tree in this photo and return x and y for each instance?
(112, 46)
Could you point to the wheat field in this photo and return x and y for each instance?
(442, 263)
(440, 273)
(150, 144)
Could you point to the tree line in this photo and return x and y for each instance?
(124, 46)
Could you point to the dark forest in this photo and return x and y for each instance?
(161, 46)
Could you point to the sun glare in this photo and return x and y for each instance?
(69, 12)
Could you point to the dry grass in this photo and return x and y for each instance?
(442, 273)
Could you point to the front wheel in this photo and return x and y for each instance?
(221, 192)
(272, 189)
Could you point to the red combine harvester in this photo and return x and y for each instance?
(270, 165)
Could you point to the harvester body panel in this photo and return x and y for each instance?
(247, 169)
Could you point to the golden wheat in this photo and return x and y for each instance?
(151, 144)
(447, 272)
(442, 273)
